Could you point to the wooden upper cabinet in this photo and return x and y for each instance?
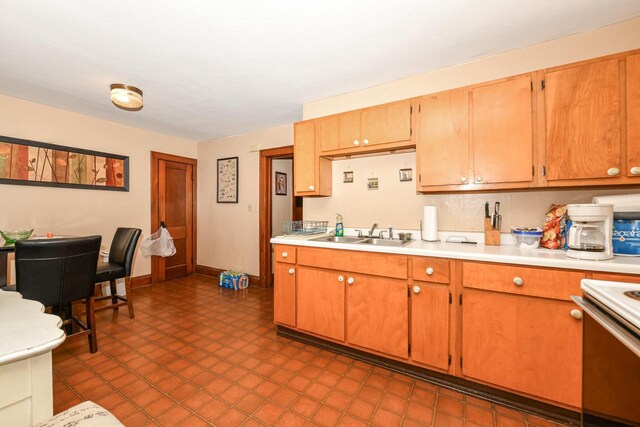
(443, 146)
(312, 173)
(386, 123)
(349, 130)
(582, 121)
(503, 132)
(377, 314)
(327, 130)
(284, 294)
(633, 116)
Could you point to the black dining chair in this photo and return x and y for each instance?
(121, 254)
(57, 272)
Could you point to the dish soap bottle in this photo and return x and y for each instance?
(339, 226)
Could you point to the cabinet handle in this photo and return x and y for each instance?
(518, 281)
(429, 271)
(356, 142)
(463, 179)
(340, 279)
(284, 254)
(613, 171)
(312, 187)
(291, 271)
(416, 290)
(350, 281)
(365, 141)
(478, 179)
(635, 170)
(576, 314)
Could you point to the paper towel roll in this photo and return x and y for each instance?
(430, 224)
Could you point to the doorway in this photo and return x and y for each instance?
(276, 164)
(174, 205)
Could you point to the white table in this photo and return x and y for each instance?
(27, 336)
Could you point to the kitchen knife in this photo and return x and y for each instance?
(486, 210)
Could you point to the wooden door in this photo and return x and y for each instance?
(503, 132)
(174, 198)
(328, 133)
(349, 130)
(633, 115)
(443, 143)
(284, 294)
(582, 121)
(377, 314)
(430, 324)
(320, 297)
(531, 345)
(386, 123)
(304, 158)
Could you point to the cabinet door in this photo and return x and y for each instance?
(284, 294)
(304, 157)
(582, 121)
(386, 123)
(430, 324)
(527, 344)
(327, 133)
(377, 314)
(443, 145)
(633, 115)
(503, 132)
(349, 130)
(321, 302)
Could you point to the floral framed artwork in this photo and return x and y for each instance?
(25, 162)
(281, 184)
(227, 180)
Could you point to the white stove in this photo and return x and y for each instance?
(623, 299)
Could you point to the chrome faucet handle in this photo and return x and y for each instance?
(381, 234)
(390, 233)
(359, 232)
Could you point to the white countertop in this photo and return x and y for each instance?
(25, 330)
(507, 254)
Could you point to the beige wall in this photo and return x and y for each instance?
(75, 211)
(281, 206)
(228, 233)
(397, 203)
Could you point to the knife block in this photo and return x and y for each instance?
(491, 236)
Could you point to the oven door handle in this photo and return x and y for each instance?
(625, 337)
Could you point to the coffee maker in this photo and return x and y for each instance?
(591, 232)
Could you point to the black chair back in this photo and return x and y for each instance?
(123, 247)
(57, 271)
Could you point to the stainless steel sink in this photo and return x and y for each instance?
(385, 242)
(334, 239)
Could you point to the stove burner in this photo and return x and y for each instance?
(633, 294)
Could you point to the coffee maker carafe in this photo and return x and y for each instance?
(590, 234)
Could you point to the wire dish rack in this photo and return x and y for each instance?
(304, 227)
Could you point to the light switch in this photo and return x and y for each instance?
(249, 207)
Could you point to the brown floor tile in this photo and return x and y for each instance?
(326, 416)
(361, 409)
(290, 419)
(445, 420)
(284, 397)
(450, 406)
(173, 415)
(421, 413)
(305, 406)
(349, 421)
(478, 415)
(231, 418)
(338, 400)
(268, 413)
(385, 418)
(506, 421)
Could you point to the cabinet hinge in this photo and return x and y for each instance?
(531, 86)
(533, 170)
(411, 110)
(409, 292)
(461, 361)
(449, 360)
(460, 299)
(420, 108)
(410, 131)
(450, 298)
(542, 85)
(544, 171)
(409, 348)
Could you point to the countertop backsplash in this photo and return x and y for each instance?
(397, 204)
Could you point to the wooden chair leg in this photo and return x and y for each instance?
(127, 287)
(91, 324)
(114, 292)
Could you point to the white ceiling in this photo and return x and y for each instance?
(211, 68)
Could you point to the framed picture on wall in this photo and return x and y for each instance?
(281, 184)
(228, 180)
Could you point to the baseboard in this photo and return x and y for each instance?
(139, 281)
(215, 272)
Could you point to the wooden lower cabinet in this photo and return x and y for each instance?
(377, 314)
(284, 294)
(526, 344)
(430, 324)
(321, 302)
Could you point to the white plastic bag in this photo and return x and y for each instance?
(159, 243)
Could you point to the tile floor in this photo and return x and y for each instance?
(199, 355)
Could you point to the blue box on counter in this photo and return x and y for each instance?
(234, 280)
(626, 237)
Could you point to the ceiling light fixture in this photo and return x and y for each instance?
(126, 97)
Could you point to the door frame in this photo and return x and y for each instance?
(266, 169)
(155, 220)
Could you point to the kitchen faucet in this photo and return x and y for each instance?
(373, 228)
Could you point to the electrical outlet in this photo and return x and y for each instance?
(254, 147)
